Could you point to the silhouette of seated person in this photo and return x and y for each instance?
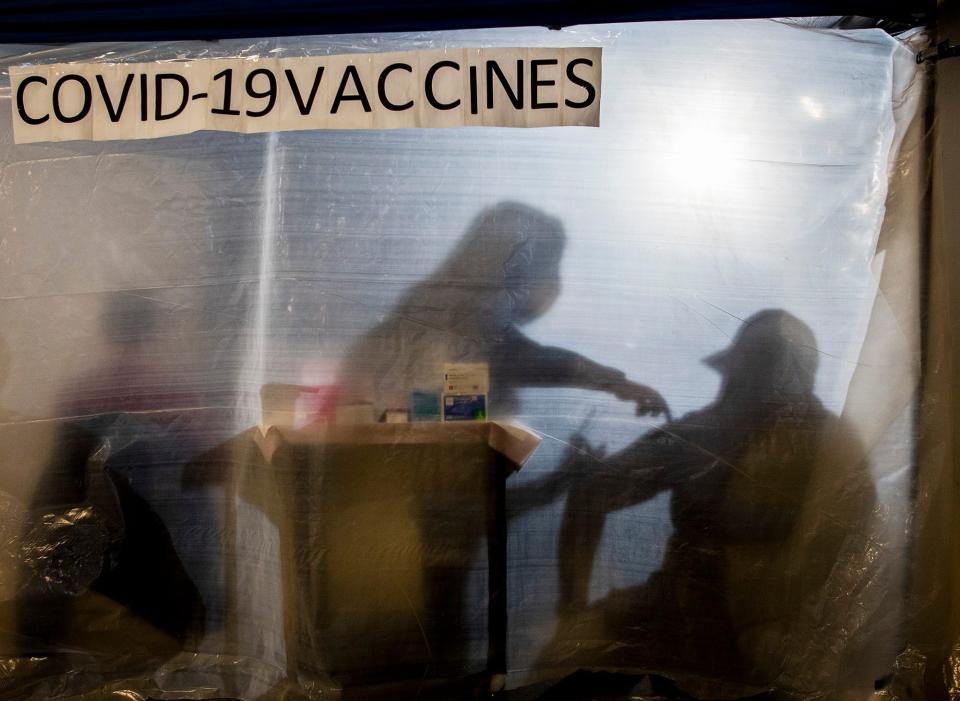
(769, 498)
(99, 584)
(503, 274)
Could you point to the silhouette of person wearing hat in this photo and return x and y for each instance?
(768, 491)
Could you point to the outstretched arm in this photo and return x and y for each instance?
(527, 363)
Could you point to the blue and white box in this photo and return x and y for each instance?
(465, 390)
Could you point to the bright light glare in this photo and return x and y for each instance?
(704, 161)
(812, 107)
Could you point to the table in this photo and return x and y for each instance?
(379, 531)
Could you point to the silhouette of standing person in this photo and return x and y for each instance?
(504, 273)
(133, 376)
(770, 496)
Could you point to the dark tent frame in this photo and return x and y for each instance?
(56, 21)
(933, 627)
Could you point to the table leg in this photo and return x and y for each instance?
(497, 576)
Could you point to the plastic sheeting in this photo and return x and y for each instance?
(708, 309)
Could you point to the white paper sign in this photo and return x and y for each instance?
(466, 378)
(503, 87)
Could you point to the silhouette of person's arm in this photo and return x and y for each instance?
(657, 462)
(638, 472)
(526, 363)
(538, 493)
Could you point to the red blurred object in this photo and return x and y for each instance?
(319, 403)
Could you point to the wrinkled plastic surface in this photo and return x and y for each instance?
(739, 241)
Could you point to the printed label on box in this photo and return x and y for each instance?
(465, 407)
(466, 378)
